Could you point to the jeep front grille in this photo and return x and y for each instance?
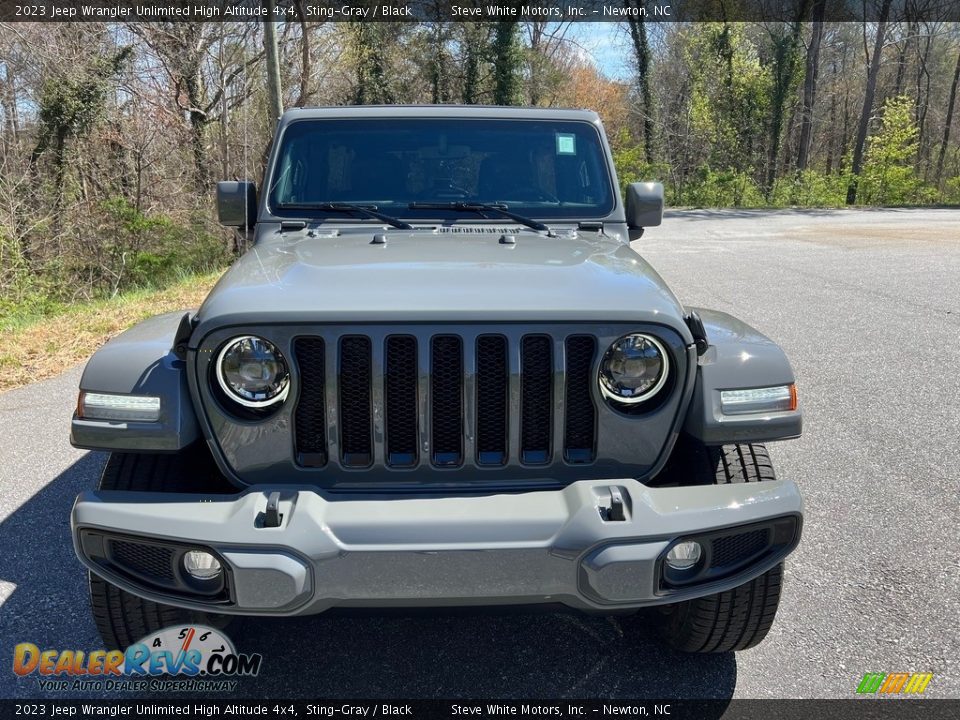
(445, 400)
(400, 399)
(356, 374)
(493, 398)
(536, 399)
(309, 418)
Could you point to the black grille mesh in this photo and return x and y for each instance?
(490, 406)
(311, 421)
(151, 561)
(580, 422)
(446, 399)
(493, 385)
(734, 549)
(400, 399)
(355, 379)
(536, 398)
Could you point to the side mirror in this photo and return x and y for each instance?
(644, 206)
(237, 203)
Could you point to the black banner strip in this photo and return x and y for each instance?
(898, 707)
(473, 10)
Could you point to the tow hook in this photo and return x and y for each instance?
(272, 517)
(614, 509)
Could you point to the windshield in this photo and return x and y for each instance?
(544, 169)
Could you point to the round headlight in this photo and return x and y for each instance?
(252, 372)
(634, 369)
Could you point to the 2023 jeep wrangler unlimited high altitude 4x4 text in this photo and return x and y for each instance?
(440, 376)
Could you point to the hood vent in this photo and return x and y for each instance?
(475, 230)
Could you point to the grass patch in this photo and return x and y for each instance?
(47, 341)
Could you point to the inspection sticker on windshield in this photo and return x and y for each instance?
(566, 144)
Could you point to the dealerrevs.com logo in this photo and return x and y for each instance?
(179, 658)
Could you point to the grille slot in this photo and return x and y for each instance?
(356, 440)
(400, 400)
(150, 561)
(536, 399)
(579, 432)
(310, 418)
(446, 400)
(732, 550)
(493, 387)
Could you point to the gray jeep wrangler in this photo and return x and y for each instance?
(439, 377)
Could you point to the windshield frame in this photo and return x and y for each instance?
(612, 211)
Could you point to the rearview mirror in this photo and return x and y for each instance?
(644, 206)
(237, 203)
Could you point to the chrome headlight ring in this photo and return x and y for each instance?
(608, 384)
(257, 400)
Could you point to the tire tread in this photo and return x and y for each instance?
(739, 618)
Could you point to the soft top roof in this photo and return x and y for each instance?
(439, 111)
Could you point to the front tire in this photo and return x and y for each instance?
(740, 618)
(734, 620)
(123, 618)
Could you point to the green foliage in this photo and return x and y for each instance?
(810, 189)
(729, 95)
(71, 105)
(366, 49)
(722, 188)
(951, 191)
(507, 58)
(889, 176)
(728, 187)
(153, 251)
(629, 160)
(26, 306)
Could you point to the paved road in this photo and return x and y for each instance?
(867, 304)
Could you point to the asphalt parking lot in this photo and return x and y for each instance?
(866, 304)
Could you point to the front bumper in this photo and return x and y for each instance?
(539, 547)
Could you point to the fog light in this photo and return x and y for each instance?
(684, 556)
(201, 565)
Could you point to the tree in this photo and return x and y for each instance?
(641, 51)
(368, 42)
(184, 49)
(69, 106)
(549, 60)
(438, 61)
(472, 41)
(811, 71)
(951, 104)
(506, 58)
(785, 46)
(867, 110)
(273, 62)
(889, 176)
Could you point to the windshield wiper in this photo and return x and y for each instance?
(365, 210)
(480, 208)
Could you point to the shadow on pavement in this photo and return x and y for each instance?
(48, 606)
(463, 655)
